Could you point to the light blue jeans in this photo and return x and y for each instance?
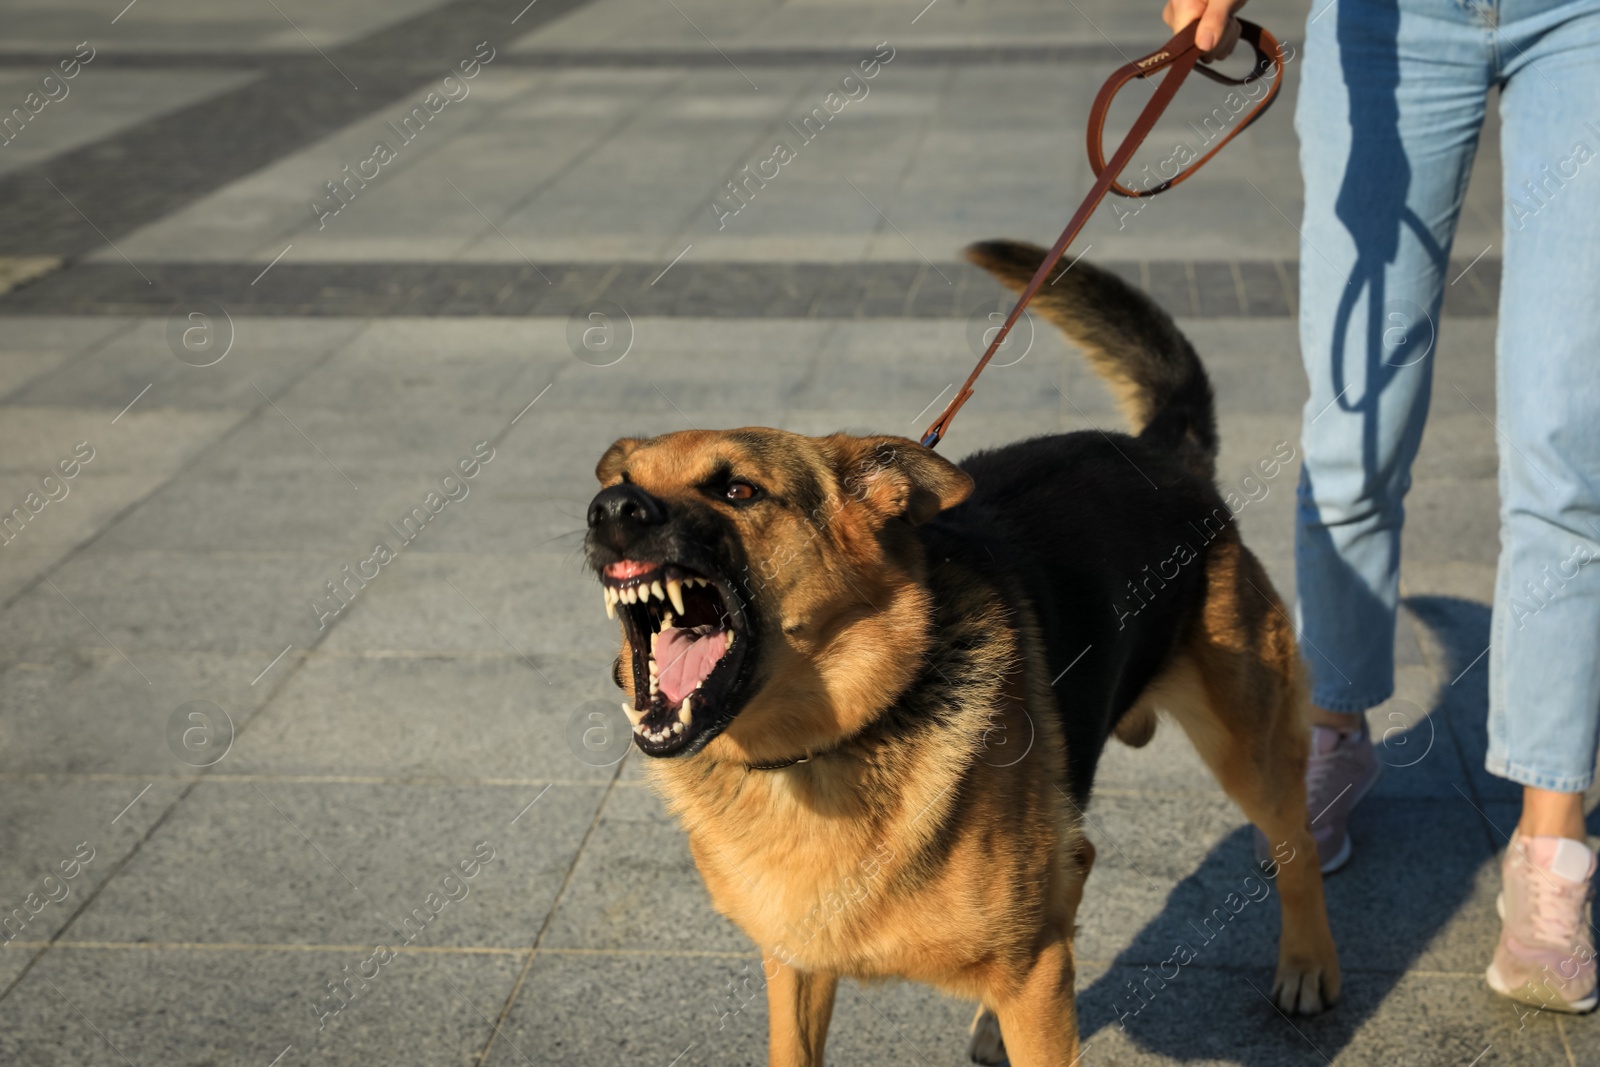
(1392, 96)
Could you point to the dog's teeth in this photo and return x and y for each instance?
(611, 605)
(644, 592)
(685, 712)
(661, 594)
(666, 621)
(635, 717)
(677, 727)
(675, 591)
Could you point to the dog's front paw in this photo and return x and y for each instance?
(1305, 987)
(984, 1044)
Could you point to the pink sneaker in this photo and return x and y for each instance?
(1341, 770)
(1546, 952)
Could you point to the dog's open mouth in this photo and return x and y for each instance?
(686, 652)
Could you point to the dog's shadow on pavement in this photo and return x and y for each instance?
(1422, 842)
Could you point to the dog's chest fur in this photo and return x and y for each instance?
(921, 840)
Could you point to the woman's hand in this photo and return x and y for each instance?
(1218, 31)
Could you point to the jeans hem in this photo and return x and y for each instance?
(1504, 768)
(1346, 705)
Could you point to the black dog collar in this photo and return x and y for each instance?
(776, 765)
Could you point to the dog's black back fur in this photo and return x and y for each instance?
(1104, 536)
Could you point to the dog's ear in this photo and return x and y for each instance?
(895, 477)
(610, 465)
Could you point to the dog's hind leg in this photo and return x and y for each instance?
(799, 1007)
(1238, 691)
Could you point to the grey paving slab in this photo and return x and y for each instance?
(421, 365)
(285, 862)
(61, 842)
(636, 888)
(600, 1008)
(1459, 447)
(168, 601)
(304, 509)
(297, 436)
(537, 604)
(1439, 528)
(249, 355)
(91, 501)
(31, 348)
(188, 1006)
(38, 437)
(54, 721)
(1454, 630)
(487, 717)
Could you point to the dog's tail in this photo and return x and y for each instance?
(1131, 343)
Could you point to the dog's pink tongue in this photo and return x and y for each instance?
(684, 660)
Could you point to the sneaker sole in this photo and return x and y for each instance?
(1339, 858)
(1501, 986)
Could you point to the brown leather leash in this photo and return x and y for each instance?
(1177, 57)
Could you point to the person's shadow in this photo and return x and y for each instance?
(1422, 841)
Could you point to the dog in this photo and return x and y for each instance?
(824, 637)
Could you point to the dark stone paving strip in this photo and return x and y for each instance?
(149, 170)
(1192, 289)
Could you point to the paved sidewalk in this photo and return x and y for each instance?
(255, 781)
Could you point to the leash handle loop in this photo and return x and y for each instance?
(1177, 57)
(1269, 57)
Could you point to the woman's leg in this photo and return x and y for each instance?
(1392, 98)
(1544, 670)
(1544, 660)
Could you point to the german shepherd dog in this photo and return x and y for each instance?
(822, 637)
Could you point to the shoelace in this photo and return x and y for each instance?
(1318, 770)
(1557, 906)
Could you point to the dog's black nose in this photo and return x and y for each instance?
(624, 511)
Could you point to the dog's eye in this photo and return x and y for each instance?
(740, 490)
